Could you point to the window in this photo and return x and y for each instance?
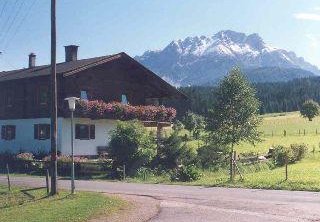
(8, 132)
(85, 132)
(124, 99)
(83, 95)
(41, 131)
(43, 95)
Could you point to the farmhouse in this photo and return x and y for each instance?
(25, 100)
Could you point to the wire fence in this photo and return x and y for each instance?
(291, 132)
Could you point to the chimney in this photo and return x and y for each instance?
(32, 60)
(71, 52)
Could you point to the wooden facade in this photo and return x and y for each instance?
(28, 96)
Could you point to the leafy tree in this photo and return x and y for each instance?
(194, 123)
(234, 117)
(310, 109)
(131, 144)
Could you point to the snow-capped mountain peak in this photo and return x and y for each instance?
(202, 58)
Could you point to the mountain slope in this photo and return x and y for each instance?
(203, 60)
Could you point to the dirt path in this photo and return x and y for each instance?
(141, 209)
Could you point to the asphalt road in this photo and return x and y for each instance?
(194, 203)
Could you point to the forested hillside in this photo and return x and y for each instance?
(274, 97)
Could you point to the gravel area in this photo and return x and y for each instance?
(140, 209)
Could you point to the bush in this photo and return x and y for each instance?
(173, 152)
(299, 151)
(178, 126)
(186, 173)
(293, 153)
(144, 173)
(131, 145)
(6, 157)
(25, 156)
(213, 155)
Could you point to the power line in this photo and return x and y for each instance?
(16, 30)
(2, 10)
(8, 19)
(12, 22)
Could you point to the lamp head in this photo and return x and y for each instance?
(72, 103)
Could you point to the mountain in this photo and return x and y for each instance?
(204, 60)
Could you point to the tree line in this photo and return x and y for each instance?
(274, 97)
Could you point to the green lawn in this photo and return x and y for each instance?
(33, 205)
(273, 126)
(303, 175)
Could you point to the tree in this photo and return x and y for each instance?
(310, 109)
(234, 117)
(173, 151)
(131, 145)
(194, 123)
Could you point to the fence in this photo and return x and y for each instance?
(290, 132)
(39, 167)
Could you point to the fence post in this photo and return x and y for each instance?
(316, 131)
(234, 163)
(299, 132)
(8, 177)
(286, 162)
(284, 132)
(231, 166)
(124, 171)
(304, 132)
(47, 181)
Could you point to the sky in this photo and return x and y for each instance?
(102, 27)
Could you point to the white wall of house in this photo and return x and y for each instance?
(24, 140)
(86, 147)
(25, 136)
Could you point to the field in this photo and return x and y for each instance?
(303, 175)
(273, 127)
(34, 205)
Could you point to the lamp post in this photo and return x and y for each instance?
(72, 108)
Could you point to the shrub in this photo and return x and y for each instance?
(299, 151)
(67, 159)
(213, 155)
(40, 154)
(25, 156)
(131, 145)
(6, 157)
(173, 152)
(186, 173)
(293, 153)
(178, 126)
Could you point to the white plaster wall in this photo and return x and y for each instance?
(25, 136)
(86, 147)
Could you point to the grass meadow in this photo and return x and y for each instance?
(273, 127)
(20, 205)
(303, 175)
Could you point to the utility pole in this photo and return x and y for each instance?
(54, 184)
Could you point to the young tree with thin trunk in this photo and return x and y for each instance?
(235, 116)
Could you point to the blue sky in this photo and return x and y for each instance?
(103, 27)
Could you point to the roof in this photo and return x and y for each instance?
(62, 68)
(70, 68)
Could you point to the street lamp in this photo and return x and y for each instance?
(72, 108)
